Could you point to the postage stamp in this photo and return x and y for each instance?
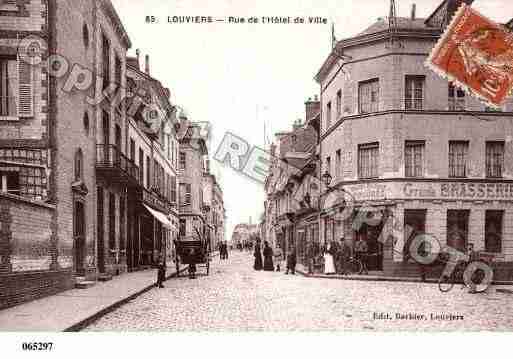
(476, 54)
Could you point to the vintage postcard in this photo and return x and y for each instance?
(255, 166)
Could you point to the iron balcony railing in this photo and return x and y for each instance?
(110, 157)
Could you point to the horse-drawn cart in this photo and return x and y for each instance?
(195, 253)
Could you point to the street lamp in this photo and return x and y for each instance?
(326, 177)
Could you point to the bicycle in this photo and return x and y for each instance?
(478, 281)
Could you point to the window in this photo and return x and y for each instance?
(106, 61)
(132, 149)
(112, 221)
(79, 165)
(339, 103)
(328, 115)
(183, 224)
(117, 70)
(457, 229)
(368, 96)
(141, 165)
(368, 160)
(8, 90)
(28, 181)
(458, 153)
(121, 223)
(148, 174)
(414, 158)
(493, 231)
(328, 165)
(10, 182)
(85, 121)
(185, 194)
(173, 189)
(338, 164)
(494, 159)
(182, 161)
(456, 98)
(85, 35)
(414, 93)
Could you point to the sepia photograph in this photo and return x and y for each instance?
(254, 167)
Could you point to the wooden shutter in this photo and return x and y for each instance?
(25, 90)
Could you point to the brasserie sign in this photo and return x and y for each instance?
(431, 190)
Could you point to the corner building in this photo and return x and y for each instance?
(405, 142)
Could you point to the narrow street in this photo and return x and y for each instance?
(236, 298)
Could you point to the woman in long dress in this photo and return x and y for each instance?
(268, 257)
(258, 257)
(329, 265)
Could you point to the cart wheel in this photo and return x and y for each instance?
(177, 268)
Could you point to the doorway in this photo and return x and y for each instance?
(371, 235)
(79, 237)
(100, 243)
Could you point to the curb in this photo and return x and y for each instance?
(90, 319)
(390, 279)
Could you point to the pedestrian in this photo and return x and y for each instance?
(278, 257)
(161, 272)
(258, 257)
(310, 258)
(361, 248)
(268, 257)
(226, 250)
(291, 261)
(329, 264)
(347, 253)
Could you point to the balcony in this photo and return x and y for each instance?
(113, 165)
(152, 199)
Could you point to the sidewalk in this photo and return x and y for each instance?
(73, 309)
(301, 269)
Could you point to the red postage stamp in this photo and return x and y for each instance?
(476, 54)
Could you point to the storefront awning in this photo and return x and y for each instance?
(161, 217)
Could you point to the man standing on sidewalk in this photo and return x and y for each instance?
(161, 272)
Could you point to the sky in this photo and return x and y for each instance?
(238, 76)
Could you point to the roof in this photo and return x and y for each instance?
(403, 23)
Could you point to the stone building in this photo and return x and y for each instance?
(51, 119)
(153, 146)
(74, 203)
(406, 143)
(291, 206)
(192, 164)
(214, 206)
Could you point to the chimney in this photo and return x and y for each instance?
(147, 67)
(312, 107)
(413, 11)
(297, 124)
(138, 56)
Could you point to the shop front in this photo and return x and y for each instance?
(456, 214)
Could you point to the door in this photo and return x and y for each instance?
(100, 243)
(106, 136)
(79, 237)
(371, 234)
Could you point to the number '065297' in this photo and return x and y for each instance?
(37, 346)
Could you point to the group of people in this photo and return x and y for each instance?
(271, 257)
(223, 250)
(336, 256)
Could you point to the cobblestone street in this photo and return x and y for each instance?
(235, 297)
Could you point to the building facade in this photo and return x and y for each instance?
(192, 162)
(409, 145)
(153, 146)
(74, 202)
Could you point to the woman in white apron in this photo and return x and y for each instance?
(329, 265)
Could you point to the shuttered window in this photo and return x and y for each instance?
(26, 95)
